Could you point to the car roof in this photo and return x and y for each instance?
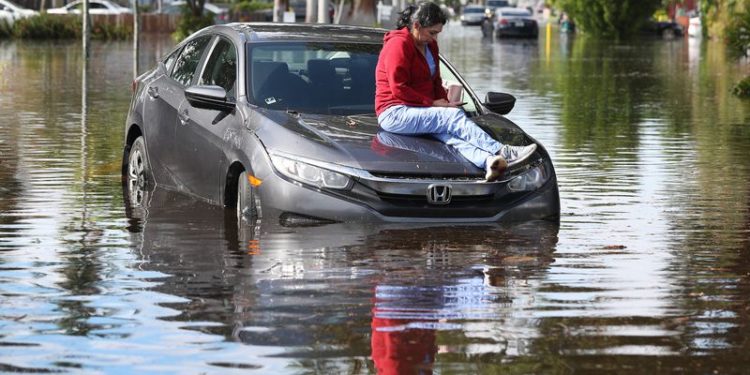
(513, 10)
(272, 32)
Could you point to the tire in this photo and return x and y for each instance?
(248, 204)
(139, 179)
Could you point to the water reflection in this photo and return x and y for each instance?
(309, 290)
(647, 268)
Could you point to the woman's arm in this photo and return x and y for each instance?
(398, 64)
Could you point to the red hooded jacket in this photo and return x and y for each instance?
(402, 75)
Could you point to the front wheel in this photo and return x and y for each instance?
(248, 204)
(139, 177)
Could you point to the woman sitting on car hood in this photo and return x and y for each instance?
(410, 98)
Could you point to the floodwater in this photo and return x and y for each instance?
(648, 270)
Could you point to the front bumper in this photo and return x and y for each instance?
(406, 200)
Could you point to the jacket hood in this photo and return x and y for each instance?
(401, 33)
(358, 142)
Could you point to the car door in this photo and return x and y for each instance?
(204, 136)
(165, 95)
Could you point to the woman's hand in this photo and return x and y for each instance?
(446, 103)
(441, 103)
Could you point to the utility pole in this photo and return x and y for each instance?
(86, 29)
(136, 37)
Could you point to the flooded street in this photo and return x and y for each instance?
(648, 270)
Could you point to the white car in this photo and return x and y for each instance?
(95, 7)
(472, 15)
(9, 12)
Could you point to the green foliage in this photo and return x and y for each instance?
(190, 23)
(105, 31)
(251, 6)
(738, 34)
(6, 30)
(609, 18)
(47, 26)
(742, 89)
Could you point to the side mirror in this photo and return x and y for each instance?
(499, 102)
(209, 97)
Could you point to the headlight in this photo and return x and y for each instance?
(309, 174)
(531, 180)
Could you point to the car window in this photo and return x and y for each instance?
(334, 78)
(187, 62)
(473, 10)
(221, 69)
(450, 79)
(169, 61)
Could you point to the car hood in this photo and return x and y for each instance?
(357, 141)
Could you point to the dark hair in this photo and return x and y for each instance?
(426, 13)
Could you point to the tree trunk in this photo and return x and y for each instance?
(364, 12)
(312, 7)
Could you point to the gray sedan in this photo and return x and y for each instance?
(277, 121)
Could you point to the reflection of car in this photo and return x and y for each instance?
(515, 22)
(278, 120)
(95, 7)
(10, 12)
(221, 14)
(695, 29)
(472, 15)
(665, 29)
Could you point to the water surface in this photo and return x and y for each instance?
(647, 270)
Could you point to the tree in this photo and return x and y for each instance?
(609, 18)
(362, 12)
(193, 19)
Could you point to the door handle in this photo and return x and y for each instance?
(153, 92)
(184, 117)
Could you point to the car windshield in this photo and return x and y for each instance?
(516, 13)
(473, 10)
(330, 78)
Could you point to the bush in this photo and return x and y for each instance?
(609, 18)
(190, 23)
(251, 6)
(47, 26)
(738, 34)
(6, 30)
(742, 89)
(104, 31)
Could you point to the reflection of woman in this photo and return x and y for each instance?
(410, 99)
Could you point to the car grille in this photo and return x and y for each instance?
(421, 200)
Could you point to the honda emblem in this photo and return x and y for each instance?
(439, 194)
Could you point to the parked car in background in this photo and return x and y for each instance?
(492, 5)
(220, 12)
(664, 29)
(278, 121)
(472, 15)
(10, 12)
(515, 22)
(95, 7)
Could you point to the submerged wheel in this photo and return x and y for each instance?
(139, 173)
(248, 204)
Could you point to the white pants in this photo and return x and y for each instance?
(449, 125)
